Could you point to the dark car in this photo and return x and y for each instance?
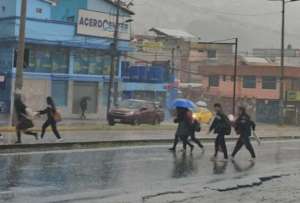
(136, 112)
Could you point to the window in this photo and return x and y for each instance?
(71, 19)
(92, 63)
(26, 58)
(213, 81)
(45, 59)
(249, 82)
(39, 10)
(60, 92)
(269, 82)
(212, 54)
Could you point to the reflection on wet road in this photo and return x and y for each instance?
(78, 171)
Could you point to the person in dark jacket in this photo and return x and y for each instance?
(50, 111)
(83, 106)
(218, 126)
(183, 129)
(244, 126)
(23, 123)
(195, 127)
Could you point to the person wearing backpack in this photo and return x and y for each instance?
(244, 126)
(220, 126)
(52, 119)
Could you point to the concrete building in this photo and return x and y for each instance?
(257, 87)
(67, 52)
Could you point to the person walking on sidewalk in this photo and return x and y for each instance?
(244, 126)
(183, 129)
(50, 111)
(23, 122)
(220, 126)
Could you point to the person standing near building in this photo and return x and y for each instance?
(244, 126)
(221, 127)
(23, 122)
(51, 113)
(83, 107)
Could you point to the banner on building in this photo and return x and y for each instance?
(97, 24)
(293, 96)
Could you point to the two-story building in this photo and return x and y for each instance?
(67, 53)
(258, 87)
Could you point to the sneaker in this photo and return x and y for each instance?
(172, 149)
(60, 140)
(252, 159)
(36, 137)
(18, 142)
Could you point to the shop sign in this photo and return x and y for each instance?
(97, 24)
(293, 96)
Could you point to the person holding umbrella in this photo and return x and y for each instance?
(184, 123)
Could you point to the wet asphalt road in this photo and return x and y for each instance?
(38, 176)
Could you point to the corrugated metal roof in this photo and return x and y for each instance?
(178, 34)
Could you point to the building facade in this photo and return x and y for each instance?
(258, 88)
(67, 54)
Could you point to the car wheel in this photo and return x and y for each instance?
(111, 122)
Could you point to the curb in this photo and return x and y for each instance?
(107, 144)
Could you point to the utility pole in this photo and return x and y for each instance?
(114, 47)
(21, 48)
(282, 64)
(235, 76)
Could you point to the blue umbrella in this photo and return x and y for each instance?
(183, 103)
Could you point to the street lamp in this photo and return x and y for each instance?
(282, 96)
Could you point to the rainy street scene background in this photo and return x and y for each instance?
(149, 101)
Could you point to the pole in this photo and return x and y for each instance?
(113, 54)
(282, 64)
(235, 76)
(21, 48)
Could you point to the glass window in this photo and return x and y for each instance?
(213, 81)
(269, 82)
(212, 54)
(60, 92)
(47, 59)
(92, 62)
(249, 82)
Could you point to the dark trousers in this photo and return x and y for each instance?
(244, 140)
(82, 116)
(195, 140)
(51, 123)
(27, 132)
(183, 138)
(220, 143)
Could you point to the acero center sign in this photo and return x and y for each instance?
(97, 24)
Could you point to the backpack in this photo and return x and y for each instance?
(227, 127)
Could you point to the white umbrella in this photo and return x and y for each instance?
(201, 103)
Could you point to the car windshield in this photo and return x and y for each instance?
(131, 104)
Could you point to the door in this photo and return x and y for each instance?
(85, 90)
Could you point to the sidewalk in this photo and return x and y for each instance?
(129, 135)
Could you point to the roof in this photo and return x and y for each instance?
(121, 7)
(250, 70)
(177, 34)
(256, 61)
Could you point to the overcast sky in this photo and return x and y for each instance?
(256, 22)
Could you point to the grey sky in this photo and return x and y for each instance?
(256, 22)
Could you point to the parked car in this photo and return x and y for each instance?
(136, 112)
(203, 115)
